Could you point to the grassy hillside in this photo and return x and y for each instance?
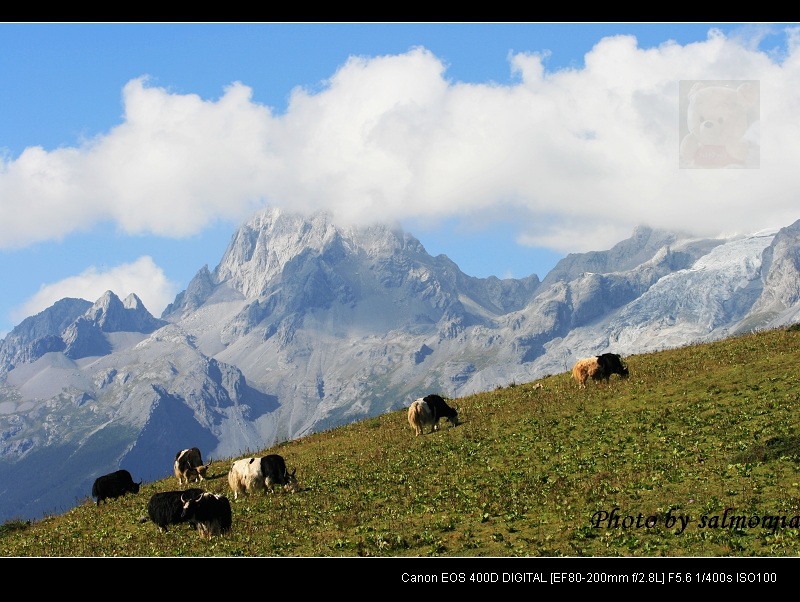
(698, 451)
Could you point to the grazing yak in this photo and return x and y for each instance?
(189, 465)
(209, 512)
(166, 508)
(245, 476)
(114, 485)
(252, 474)
(426, 411)
(598, 367)
(273, 467)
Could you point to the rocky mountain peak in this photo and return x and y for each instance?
(271, 242)
(110, 314)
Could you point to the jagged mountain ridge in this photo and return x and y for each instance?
(304, 325)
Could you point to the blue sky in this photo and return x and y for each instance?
(129, 153)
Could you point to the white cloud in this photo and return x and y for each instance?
(585, 154)
(141, 277)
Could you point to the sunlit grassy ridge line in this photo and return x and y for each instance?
(693, 431)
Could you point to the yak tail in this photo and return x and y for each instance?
(414, 415)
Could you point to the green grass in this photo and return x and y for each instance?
(694, 432)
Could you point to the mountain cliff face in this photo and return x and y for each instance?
(304, 326)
